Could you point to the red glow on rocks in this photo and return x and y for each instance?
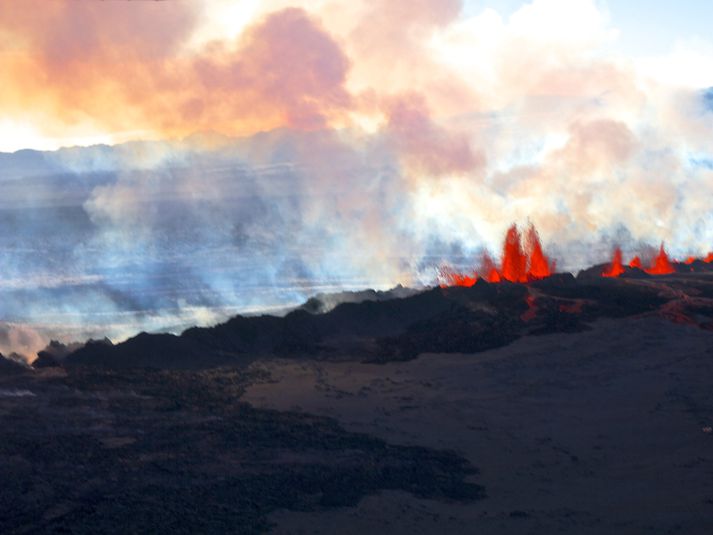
(531, 312)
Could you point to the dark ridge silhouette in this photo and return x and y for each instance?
(55, 352)
(9, 366)
(324, 302)
(438, 320)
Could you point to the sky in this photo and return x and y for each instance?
(258, 151)
(646, 27)
(76, 70)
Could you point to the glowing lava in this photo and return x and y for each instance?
(488, 266)
(523, 260)
(519, 263)
(661, 265)
(453, 278)
(540, 266)
(616, 267)
(635, 262)
(514, 266)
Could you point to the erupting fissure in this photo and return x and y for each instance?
(521, 262)
(661, 264)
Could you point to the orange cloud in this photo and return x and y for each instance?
(426, 146)
(119, 66)
(285, 68)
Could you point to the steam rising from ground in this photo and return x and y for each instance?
(356, 168)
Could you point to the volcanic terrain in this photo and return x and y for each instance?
(560, 404)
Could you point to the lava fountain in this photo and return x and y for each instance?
(521, 262)
(661, 264)
(616, 267)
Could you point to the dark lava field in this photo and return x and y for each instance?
(572, 405)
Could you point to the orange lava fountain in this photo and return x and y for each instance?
(616, 268)
(661, 265)
(514, 266)
(635, 262)
(519, 263)
(491, 270)
(540, 266)
(523, 260)
(454, 278)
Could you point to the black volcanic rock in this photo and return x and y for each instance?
(349, 325)
(161, 351)
(52, 355)
(55, 352)
(301, 332)
(457, 331)
(178, 452)
(634, 273)
(555, 280)
(325, 302)
(611, 297)
(438, 320)
(9, 366)
(697, 266)
(594, 272)
(46, 360)
(481, 317)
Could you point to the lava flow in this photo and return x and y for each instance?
(520, 263)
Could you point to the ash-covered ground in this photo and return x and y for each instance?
(567, 405)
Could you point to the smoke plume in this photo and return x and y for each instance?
(323, 146)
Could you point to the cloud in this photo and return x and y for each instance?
(285, 68)
(111, 66)
(379, 138)
(21, 339)
(425, 147)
